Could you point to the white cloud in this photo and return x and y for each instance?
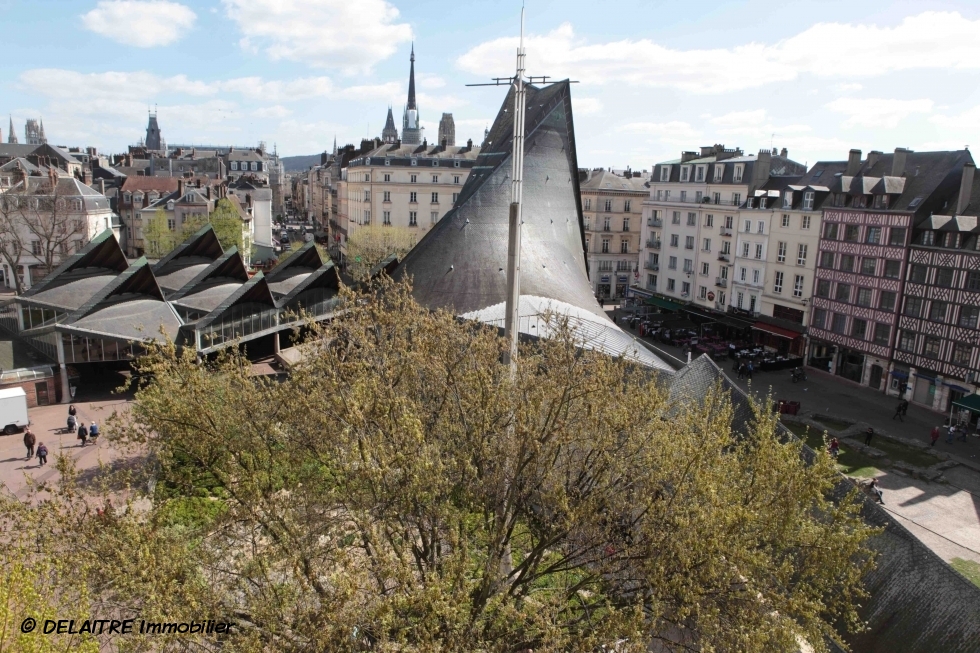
(740, 118)
(930, 40)
(279, 90)
(56, 82)
(275, 111)
(142, 23)
(876, 112)
(586, 106)
(670, 131)
(429, 81)
(351, 36)
(386, 92)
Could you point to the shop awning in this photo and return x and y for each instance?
(789, 334)
(734, 322)
(970, 402)
(957, 388)
(900, 374)
(665, 303)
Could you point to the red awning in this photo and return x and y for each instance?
(789, 334)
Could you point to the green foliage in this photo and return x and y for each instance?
(370, 245)
(968, 568)
(158, 239)
(228, 226)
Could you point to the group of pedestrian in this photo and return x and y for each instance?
(42, 451)
(745, 370)
(84, 433)
(901, 410)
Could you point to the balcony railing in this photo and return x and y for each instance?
(655, 267)
(653, 244)
(721, 282)
(655, 222)
(651, 286)
(724, 257)
(726, 231)
(719, 306)
(695, 200)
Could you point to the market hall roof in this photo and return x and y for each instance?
(460, 264)
(79, 277)
(189, 259)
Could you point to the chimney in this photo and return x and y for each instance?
(784, 153)
(853, 163)
(180, 188)
(873, 157)
(898, 163)
(966, 187)
(687, 156)
(102, 186)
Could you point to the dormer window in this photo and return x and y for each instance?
(881, 201)
(435, 163)
(76, 205)
(128, 198)
(860, 201)
(719, 172)
(685, 173)
(415, 162)
(387, 161)
(699, 173)
(138, 197)
(737, 177)
(808, 200)
(788, 200)
(664, 173)
(234, 165)
(170, 205)
(455, 164)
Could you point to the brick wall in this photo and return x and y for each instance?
(31, 390)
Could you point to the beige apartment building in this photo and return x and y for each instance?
(410, 186)
(612, 209)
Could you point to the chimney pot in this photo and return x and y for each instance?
(966, 188)
(853, 163)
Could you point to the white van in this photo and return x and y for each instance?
(13, 410)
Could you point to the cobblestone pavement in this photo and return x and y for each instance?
(946, 517)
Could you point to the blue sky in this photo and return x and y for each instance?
(656, 78)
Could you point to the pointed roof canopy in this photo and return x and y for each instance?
(187, 260)
(81, 275)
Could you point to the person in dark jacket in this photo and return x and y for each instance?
(870, 433)
(42, 454)
(93, 431)
(72, 411)
(82, 434)
(29, 441)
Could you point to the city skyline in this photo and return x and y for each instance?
(653, 80)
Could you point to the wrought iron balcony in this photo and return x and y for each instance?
(655, 222)
(655, 267)
(726, 231)
(724, 257)
(721, 282)
(653, 244)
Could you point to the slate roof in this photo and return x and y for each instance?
(604, 181)
(79, 277)
(67, 188)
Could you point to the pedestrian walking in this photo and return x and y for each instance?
(876, 490)
(93, 432)
(950, 433)
(29, 441)
(72, 423)
(741, 370)
(751, 368)
(834, 447)
(870, 433)
(42, 454)
(82, 433)
(961, 430)
(900, 410)
(72, 411)
(934, 436)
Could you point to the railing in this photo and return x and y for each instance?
(655, 222)
(651, 266)
(725, 231)
(653, 244)
(721, 282)
(719, 306)
(695, 200)
(724, 257)
(651, 286)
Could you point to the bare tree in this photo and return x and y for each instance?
(53, 216)
(11, 233)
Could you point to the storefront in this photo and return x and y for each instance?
(850, 365)
(604, 287)
(622, 282)
(786, 342)
(924, 388)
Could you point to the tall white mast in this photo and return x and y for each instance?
(512, 321)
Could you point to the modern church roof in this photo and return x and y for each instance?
(460, 263)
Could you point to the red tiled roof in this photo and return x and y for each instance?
(144, 183)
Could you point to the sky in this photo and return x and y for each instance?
(654, 78)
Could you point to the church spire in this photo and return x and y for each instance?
(11, 135)
(390, 133)
(411, 81)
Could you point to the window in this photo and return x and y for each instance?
(666, 195)
(737, 177)
(697, 196)
(739, 297)
(798, 286)
(726, 247)
(412, 218)
(944, 277)
(787, 204)
(846, 263)
(931, 346)
(675, 217)
(804, 222)
(367, 176)
(761, 227)
(745, 250)
(415, 162)
(624, 246)
(743, 274)
(937, 311)
(435, 198)
(843, 293)
(736, 199)
(928, 238)
(702, 292)
(705, 269)
(706, 245)
(670, 285)
(456, 177)
(827, 260)
(758, 250)
(859, 328)
(882, 331)
(588, 204)
(896, 237)
(386, 218)
(819, 318)
(692, 219)
(435, 179)
(607, 224)
(962, 353)
(609, 205)
(873, 235)
(234, 165)
(906, 342)
(868, 265)
(881, 201)
(685, 172)
(785, 220)
(840, 323)
(972, 280)
(808, 201)
(685, 288)
(435, 163)
(455, 164)
(387, 176)
(748, 226)
(830, 231)
(724, 271)
(626, 224)
(455, 197)
(968, 316)
(801, 254)
(36, 247)
(893, 269)
(781, 252)
(605, 245)
(823, 288)
(860, 201)
(387, 196)
(171, 224)
(918, 273)
(852, 233)
(777, 283)
(665, 173)
(651, 280)
(755, 276)
(674, 238)
(672, 263)
(863, 297)
(721, 298)
(709, 220)
(886, 300)
(688, 265)
(413, 197)
(913, 306)
(367, 216)
(699, 173)
(626, 206)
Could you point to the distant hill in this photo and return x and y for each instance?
(300, 163)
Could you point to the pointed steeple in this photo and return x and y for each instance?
(335, 144)
(43, 139)
(11, 135)
(411, 81)
(390, 133)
